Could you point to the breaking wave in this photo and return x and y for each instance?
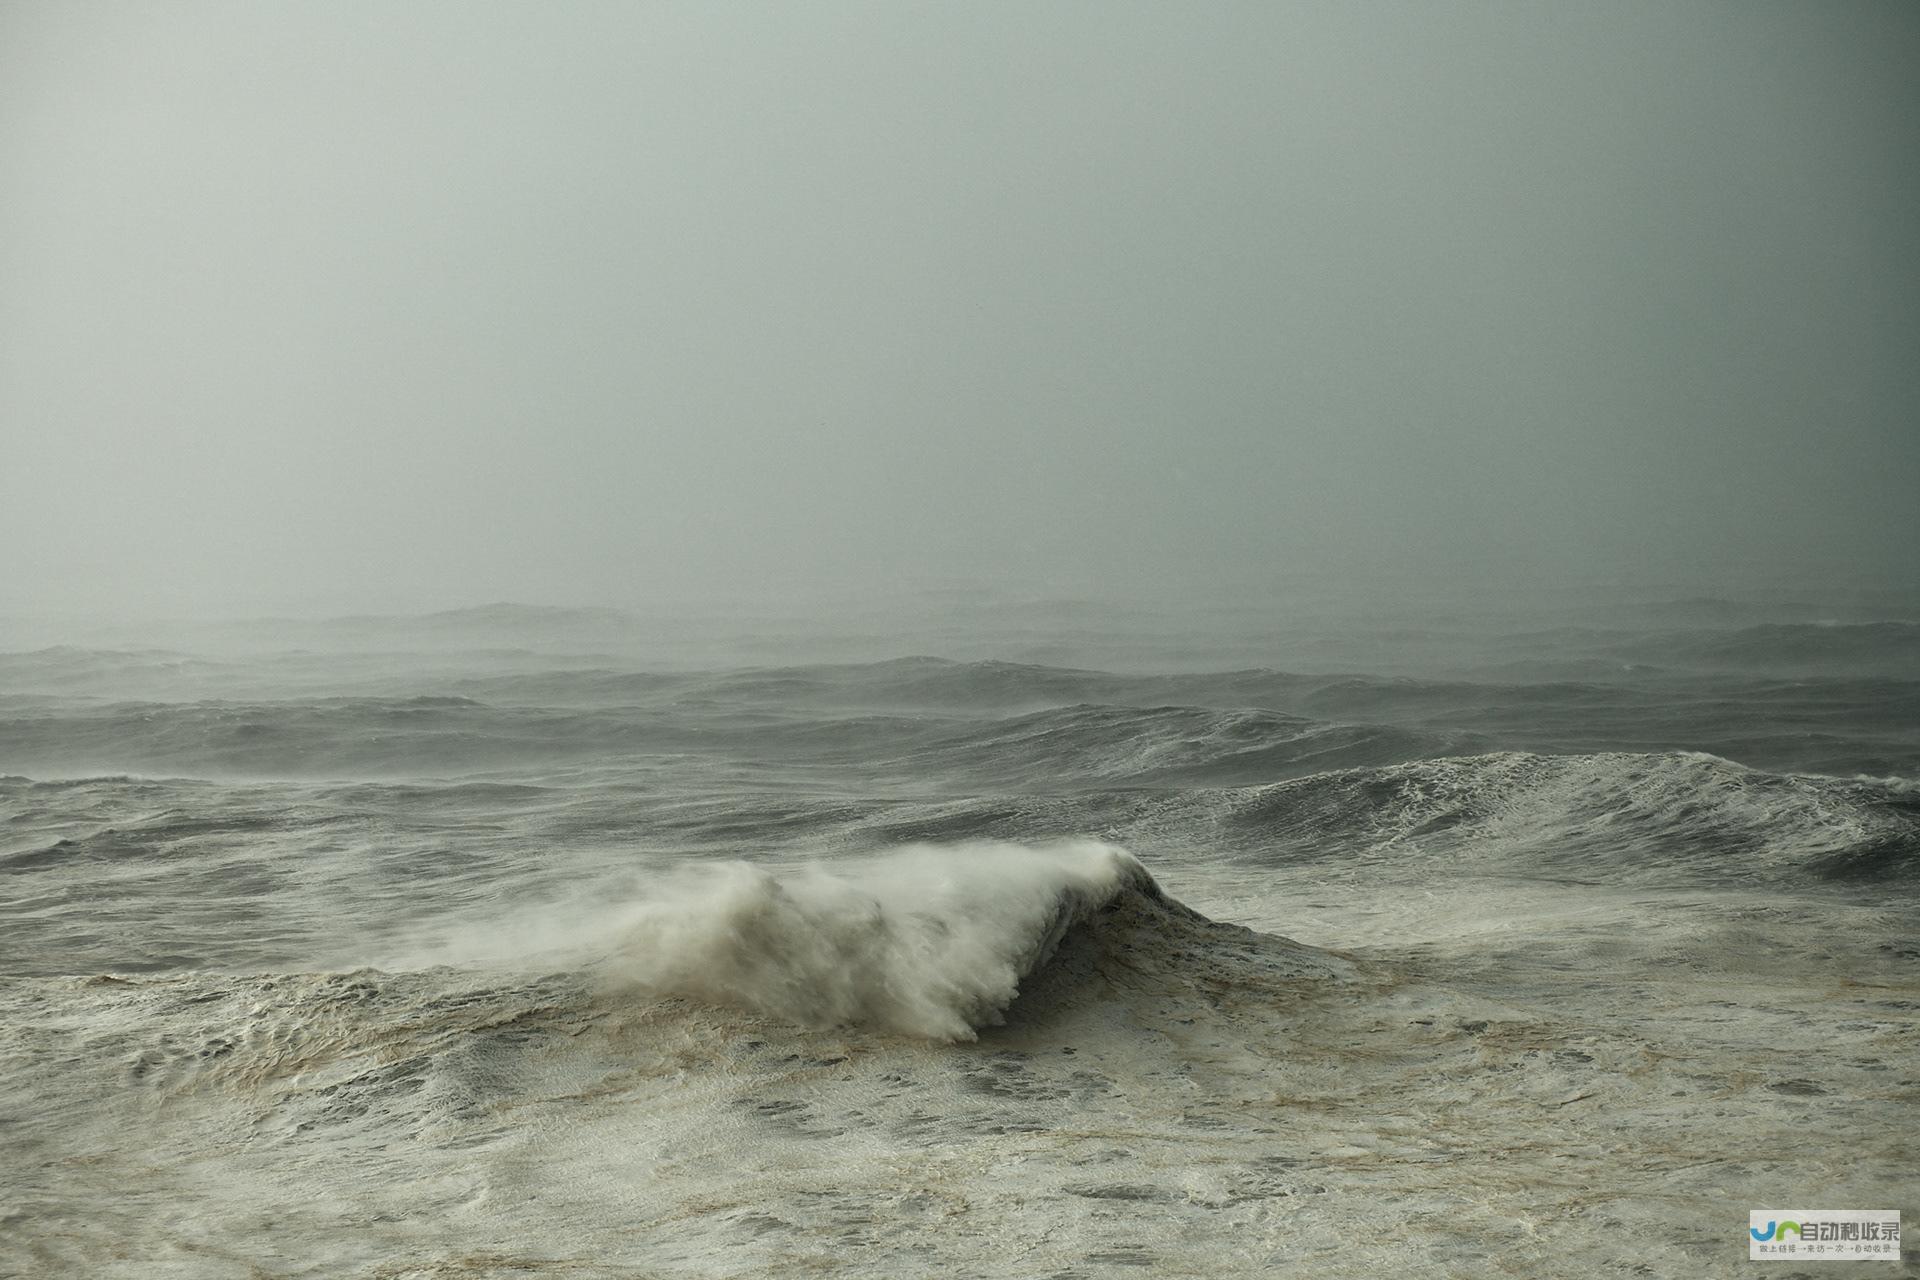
(928, 941)
(925, 942)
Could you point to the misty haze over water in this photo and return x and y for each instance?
(372, 311)
(709, 640)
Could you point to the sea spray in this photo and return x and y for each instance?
(923, 941)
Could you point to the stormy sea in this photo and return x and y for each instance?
(970, 935)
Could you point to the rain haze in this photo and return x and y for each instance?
(358, 306)
(701, 641)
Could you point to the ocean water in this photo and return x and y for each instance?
(519, 942)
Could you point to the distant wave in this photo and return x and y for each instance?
(1288, 727)
(1164, 745)
(1892, 648)
(1714, 611)
(1610, 816)
(1077, 745)
(70, 668)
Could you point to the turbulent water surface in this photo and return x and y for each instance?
(513, 943)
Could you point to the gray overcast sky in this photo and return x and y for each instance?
(374, 304)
